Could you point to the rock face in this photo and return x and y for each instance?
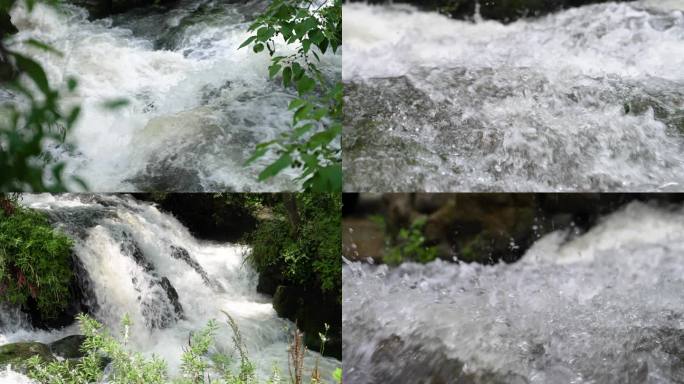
(311, 311)
(17, 353)
(68, 347)
(502, 10)
(102, 8)
(482, 228)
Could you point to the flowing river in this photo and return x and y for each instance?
(589, 98)
(197, 105)
(601, 307)
(144, 263)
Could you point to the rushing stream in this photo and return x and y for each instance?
(197, 104)
(589, 98)
(601, 307)
(141, 262)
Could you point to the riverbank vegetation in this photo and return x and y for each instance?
(201, 363)
(35, 261)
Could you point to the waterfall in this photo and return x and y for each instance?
(144, 263)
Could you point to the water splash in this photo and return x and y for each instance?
(127, 249)
(590, 98)
(602, 307)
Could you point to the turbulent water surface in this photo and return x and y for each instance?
(603, 307)
(198, 105)
(590, 98)
(144, 263)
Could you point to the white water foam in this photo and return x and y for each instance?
(122, 285)
(605, 307)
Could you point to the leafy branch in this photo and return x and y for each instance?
(310, 146)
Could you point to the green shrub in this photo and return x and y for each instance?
(200, 365)
(411, 246)
(305, 249)
(35, 261)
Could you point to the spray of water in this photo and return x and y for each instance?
(197, 104)
(602, 307)
(589, 98)
(144, 263)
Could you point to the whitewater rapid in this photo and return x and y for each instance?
(589, 98)
(197, 104)
(601, 307)
(128, 248)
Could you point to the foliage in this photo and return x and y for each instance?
(199, 364)
(411, 246)
(308, 255)
(35, 261)
(311, 145)
(25, 130)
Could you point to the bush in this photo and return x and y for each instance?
(199, 364)
(35, 261)
(302, 241)
(411, 246)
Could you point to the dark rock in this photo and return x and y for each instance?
(17, 353)
(68, 347)
(98, 9)
(269, 280)
(286, 301)
(502, 10)
(181, 253)
(172, 295)
(206, 215)
(311, 311)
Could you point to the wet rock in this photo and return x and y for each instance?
(68, 347)
(502, 10)
(206, 215)
(17, 353)
(362, 238)
(181, 253)
(426, 362)
(311, 311)
(286, 301)
(98, 9)
(172, 295)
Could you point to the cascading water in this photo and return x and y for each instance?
(589, 98)
(144, 263)
(197, 104)
(602, 307)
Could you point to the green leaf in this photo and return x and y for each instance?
(73, 115)
(305, 85)
(287, 76)
(283, 162)
(34, 71)
(300, 131)
(247, 42)
(259, 151)
(273, 70)
(42, 46)
(302, 113)
(327, 179)
(296, 103)
(71, 84)
(258, 48)
(115, 103)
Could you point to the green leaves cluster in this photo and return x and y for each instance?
(35, 261)
(310, 146)
(411, 246)
(305, 251)
(200, 363)
(25, 130)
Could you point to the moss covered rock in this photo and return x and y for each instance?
(16, 354)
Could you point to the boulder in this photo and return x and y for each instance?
(16, 354)
(98, 9)
(68, 347)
